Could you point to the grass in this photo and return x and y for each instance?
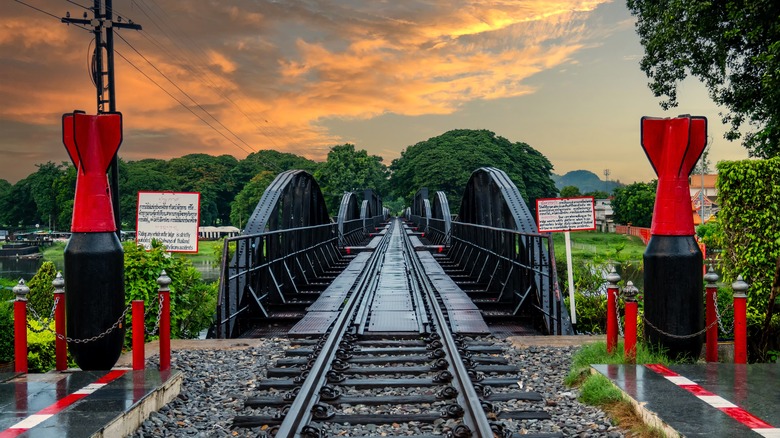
(600, 247)
(597, 390)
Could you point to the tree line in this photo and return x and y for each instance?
(231, 188)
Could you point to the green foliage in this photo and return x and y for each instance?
(41, 297)
(731, 46)
(596, 353)
(599, 390)
(711, 233)
(218, 250)
(748, 194)
(41, 355)
(446, 163)
(192, 301)
(246, 201)
(6, 331)
(570, 192)
(633, 204)
(346, 170)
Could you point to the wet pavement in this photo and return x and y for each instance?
(82, 403)
(703, 400)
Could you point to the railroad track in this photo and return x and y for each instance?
(421, 380)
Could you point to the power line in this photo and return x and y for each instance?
(180, 102)
(38, 9)
(182, 91)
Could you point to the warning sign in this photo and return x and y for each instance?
(566, 214)
(170, 217)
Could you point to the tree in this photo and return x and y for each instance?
(597, 194)
(446, 163)
(570, 192)
(732, 46)
(347, 169)
(633, 204)
(246, 200)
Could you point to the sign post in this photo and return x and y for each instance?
(566, 214)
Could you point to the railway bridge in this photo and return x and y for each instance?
(294, 267)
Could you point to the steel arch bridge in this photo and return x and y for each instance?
(292, 249)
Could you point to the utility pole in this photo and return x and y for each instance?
(606, 180)
(103, 75)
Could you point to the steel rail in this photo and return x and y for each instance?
(474, 416)
(299, 414)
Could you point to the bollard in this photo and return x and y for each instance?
(629, 342)
(139, 328)
(740, 320)
(20, 327)
(60, 341)
(165, 321)
(612, 320)
(711, 291)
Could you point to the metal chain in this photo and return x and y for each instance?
(157, 322)
(693, 335)
(113, 327)
(720, 321)
(617, 314)
(44, 324)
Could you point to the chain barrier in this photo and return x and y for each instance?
(46, 323)
(153, 331)
(717, 321)
(720, 321)
(43, 323)
(617, 315)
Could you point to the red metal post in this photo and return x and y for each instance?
(165, 321)
(612, 320)
(139, 329)
(629, 342)
(60, 343)
(740, 288)
(20, 327)
(711, 291)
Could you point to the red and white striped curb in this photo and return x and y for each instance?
(756, 424)
(44, 414)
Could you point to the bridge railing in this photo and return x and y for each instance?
(354, 232)
(518, 266)
(266, 266)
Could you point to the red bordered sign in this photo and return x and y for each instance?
(170, 217)
(566, 214)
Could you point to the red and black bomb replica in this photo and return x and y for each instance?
(673, 261)
(94, 260)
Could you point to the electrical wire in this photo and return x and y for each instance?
(180, 102)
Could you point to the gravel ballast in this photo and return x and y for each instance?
(217, 382)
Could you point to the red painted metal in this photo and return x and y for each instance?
(165, 331)
(673, 147)
(60, 344)
(629, 342)
(740, 330)
(612, 322)
(92, 141)
(711, 354)
(139, 329)
(20, 336)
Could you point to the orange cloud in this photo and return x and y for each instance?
(267, 74)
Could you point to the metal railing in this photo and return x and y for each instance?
(518, 267)
(267, 267)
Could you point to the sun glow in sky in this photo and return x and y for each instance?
(299, 76)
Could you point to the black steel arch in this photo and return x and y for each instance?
(441, 218)
(290, 218)
(349, 219)
(492, 204)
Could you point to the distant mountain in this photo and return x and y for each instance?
(585, 180)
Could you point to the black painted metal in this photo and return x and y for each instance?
(496, 248)
(668, 261)
(289, 243)
(94, 269)
(440, 222)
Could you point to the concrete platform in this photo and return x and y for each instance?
(82, 403)
(703, 400)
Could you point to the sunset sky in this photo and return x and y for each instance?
(301, 76)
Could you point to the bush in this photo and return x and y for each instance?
(40, 348)
(41, 297)
(6, 332)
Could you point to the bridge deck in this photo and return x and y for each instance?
(393, 308)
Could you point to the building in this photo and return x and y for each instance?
(604, 213)
(704, 195)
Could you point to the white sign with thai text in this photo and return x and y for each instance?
(170, 217)
(566, 214)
